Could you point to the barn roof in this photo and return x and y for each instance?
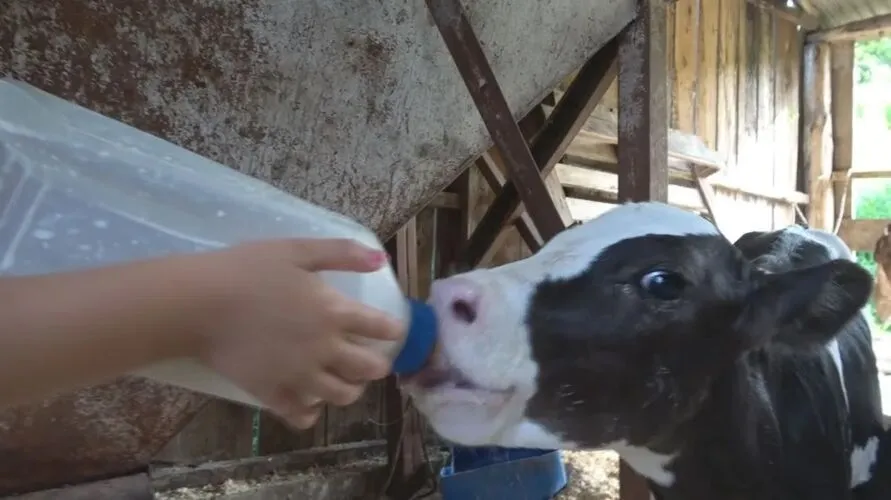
(833, 13)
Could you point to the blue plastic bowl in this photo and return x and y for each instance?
(494, 473)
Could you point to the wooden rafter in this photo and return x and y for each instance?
(547, 147)
(866, 29)
(467, 53)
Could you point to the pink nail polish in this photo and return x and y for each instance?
(378, 258)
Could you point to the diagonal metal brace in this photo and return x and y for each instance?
(468, 55)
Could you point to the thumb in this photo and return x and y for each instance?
(337, 255)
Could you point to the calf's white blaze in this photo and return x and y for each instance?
(495, 353)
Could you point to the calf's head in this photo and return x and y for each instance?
(613, 333)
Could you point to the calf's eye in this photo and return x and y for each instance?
(663, 285)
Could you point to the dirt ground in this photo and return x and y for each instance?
(593, 475)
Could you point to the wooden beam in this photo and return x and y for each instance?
(592, 185)
(796, 15)
(450, 201)
(684, 149)
(256, 468)
(814, 138)
(643, 114)
(857, 31)
(861, 234)
(467, 53)
(490, 166)
(547, 147)
(842, 106)
(643, 138)
(860, 174)
(135, 487)
(808, 6)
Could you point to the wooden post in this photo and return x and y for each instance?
(842, 81)
(643, 138)
(406, 470)
(815, 143)
(643, 113)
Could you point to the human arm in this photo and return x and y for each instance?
(257, 313)
(63, 331)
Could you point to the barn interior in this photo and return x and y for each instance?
(740, 110)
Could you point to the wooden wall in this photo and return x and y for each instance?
(734, 71)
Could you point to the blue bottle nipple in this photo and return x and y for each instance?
(420, 340)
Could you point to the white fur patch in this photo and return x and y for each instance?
(572, 251)
(528, 434)
(862, 460)
(651, 465)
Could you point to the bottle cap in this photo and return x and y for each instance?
(420, 340)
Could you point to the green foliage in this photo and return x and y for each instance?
(879, 50)
(868, 54)
(873, 205)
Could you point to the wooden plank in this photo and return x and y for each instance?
(491, 168)
(842, 108)
(728, 80)
(222, 430)
(748, 90)
(707, 195)
(793, 76)
(255, 468)
(793, 14)
(404, 427)
(601, 128)
(861, 174)
(815, 160)
(861, 234)
(765, 76)
(784, 173)
(670, 55)
(707, 73)
(134, 487)
(686, 60)
(587, 184)
(643, 139)
(446, 200)
(866, 29)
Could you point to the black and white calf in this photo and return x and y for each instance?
(716, 371)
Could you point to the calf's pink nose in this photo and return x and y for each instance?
(456, 300)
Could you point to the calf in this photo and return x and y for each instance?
(717, 372)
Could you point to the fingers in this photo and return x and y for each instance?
(366, 321)
(336, 255)
(358, 364)
(335, 390)
(299, 412)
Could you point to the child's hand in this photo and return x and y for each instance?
(283, 335)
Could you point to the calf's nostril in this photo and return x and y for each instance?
(464, 310)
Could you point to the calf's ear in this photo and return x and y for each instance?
(804, 308)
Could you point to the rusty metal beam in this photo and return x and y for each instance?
(468, 55)
(98, 432)
(643, 139)
(548, 146)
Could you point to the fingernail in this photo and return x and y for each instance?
(378, 258)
